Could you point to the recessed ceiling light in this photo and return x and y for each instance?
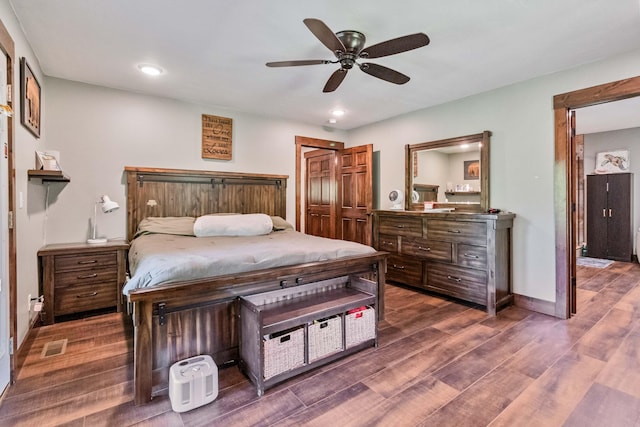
(150, 70)
(338, 113)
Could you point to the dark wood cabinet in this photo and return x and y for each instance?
(610, 216)
(78, 277)
(463, 255)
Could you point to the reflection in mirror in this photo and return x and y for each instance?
(450, 173)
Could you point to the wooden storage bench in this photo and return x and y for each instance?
(289, 331)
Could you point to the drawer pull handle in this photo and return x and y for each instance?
(456, 279)
(88, 276)
(399, 226)
(398, 267)
(93, 261)
(387, 243)
(454, 231)
(87, 295)
(424, 249)
(471, 256)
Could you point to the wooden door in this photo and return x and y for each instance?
(356, 194)
(597, 216)
(320, 195)
(619, 217)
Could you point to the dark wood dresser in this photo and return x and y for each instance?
(78, 277)
(462, 255)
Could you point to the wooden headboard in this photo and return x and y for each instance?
(153, 192)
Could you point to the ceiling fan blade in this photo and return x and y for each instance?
(384, 73)
(334, 81)
(398, 45)
(324, 34)
(297, 63)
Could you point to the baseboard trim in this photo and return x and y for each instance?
(534, 304)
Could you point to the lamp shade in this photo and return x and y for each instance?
(108, 205)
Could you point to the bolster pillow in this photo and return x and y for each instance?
(232, 225)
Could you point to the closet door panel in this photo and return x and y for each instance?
(619, 215)
(597, 216)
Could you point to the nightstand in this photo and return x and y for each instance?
(78, 277)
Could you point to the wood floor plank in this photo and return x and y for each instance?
(407, 370)
(551, 399)
(603, 406)
(470, 367)
(479, 404)
(273, 408)
(338, 409)
(129, 414)
(605, 337)
(411, 405)
(622, 371)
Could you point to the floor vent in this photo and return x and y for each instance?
(54, 348)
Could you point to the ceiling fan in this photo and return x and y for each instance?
(348, 47)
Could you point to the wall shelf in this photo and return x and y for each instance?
(46, 175)
(462, 193)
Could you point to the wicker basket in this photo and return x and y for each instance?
(360, 326)
(283, 352)
(325, 337)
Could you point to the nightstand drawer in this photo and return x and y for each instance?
(86, 297)
(85, 261)
(85, 277)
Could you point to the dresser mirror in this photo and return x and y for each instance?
(449, 173)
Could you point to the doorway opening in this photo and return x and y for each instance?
(566, 178)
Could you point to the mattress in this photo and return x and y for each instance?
(156, 259)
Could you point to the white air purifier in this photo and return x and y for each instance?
(193, 382)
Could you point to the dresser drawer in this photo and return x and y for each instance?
(428, 249)
(401, 225)
(86, 297)
(85, 261)
(474, 233)
(85, 277)
(387, 243)
(458, 282)
(472, 256)
(404, 270)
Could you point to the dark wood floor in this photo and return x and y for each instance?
(439, 363)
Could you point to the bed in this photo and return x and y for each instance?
(177, 316)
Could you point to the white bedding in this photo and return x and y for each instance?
(155, 259)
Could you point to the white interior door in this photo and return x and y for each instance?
(5, 358)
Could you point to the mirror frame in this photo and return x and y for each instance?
(483, 138)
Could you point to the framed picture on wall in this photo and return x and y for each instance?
(471, 169)
(30, 99)
(615, 161)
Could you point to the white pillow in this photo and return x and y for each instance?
(232, 225)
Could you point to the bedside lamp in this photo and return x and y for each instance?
(107, 205)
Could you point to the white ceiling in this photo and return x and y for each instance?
(214, 51)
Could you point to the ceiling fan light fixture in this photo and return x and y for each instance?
(338, 112)
(150, 70)
(333, 121)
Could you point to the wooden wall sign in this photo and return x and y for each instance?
(216, 137)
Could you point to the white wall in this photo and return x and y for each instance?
(99, 131)
(520, 118)
(28, 222)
